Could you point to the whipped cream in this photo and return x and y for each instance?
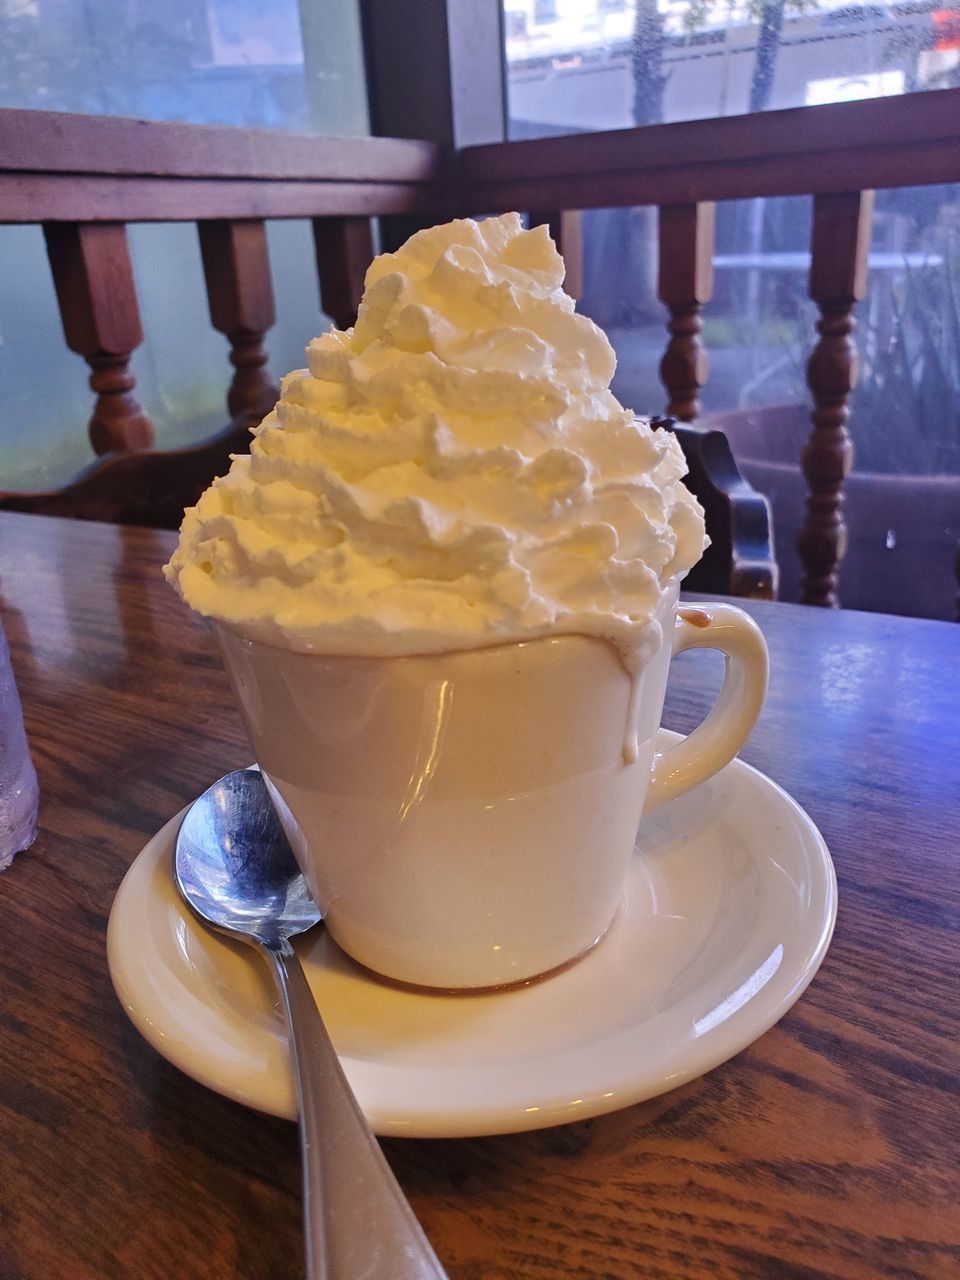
(452, 472)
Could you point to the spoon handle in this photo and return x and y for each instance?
(357, 1221)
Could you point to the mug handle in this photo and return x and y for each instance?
(717, 740)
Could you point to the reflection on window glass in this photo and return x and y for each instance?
(240, 62)
(872, 84)
(608, 64)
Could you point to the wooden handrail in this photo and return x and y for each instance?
(100, 168)
(905, 141)
(57, 142)
(59, 167)
(98, 198)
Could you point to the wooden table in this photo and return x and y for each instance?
(829, 1148)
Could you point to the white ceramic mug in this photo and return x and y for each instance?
(467, 819)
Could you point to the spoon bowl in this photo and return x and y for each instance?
(235, 867)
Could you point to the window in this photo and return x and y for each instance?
(715, 60)
(253, 63)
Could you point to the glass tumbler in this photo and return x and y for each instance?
(19, 799)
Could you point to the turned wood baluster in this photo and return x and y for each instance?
(344, 249)
(686, 284)
(566, 230)
(101, 322)
(236, 268)
(838, 279)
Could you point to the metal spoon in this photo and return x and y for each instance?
(236, 870)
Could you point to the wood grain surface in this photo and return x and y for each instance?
(825, 1151)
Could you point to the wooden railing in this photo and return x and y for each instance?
(84, 178)
(837, 153)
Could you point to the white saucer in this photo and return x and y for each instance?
(728, 913)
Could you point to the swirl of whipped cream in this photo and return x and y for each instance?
(452, 472)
